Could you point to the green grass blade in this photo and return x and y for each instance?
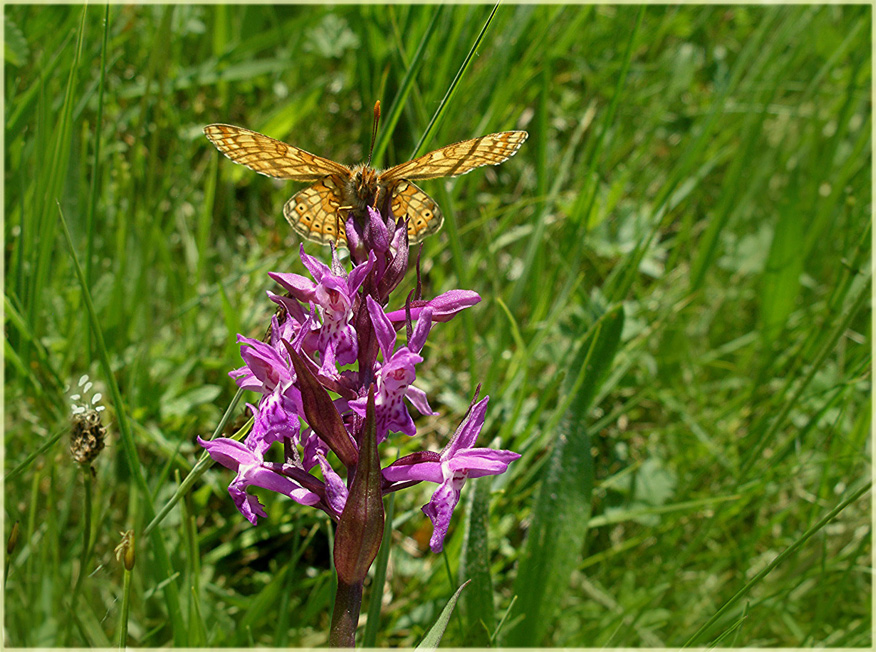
(787, 552)
(407, 84)
(57, 166)
(451, 90)
(792, 399)
(95, 167)
(782, 275)
(433, 638)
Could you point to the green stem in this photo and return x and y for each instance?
(126, 604)
(348, 603)
(86, 546)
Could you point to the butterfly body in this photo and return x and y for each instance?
(318, 212)
(365, 184)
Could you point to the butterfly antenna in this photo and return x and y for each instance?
(374, 129)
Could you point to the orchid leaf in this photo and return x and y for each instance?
(562, 508)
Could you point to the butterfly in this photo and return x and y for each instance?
(318, 212)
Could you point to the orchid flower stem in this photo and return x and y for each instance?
(348, 603)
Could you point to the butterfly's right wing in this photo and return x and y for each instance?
(423, 214)
(314, 212)
(270, 157)
(459, 158)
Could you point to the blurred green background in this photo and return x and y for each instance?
(675, 331)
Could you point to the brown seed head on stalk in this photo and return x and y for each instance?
(88, 435)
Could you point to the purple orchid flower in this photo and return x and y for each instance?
(444, 307)
(396, 375)
(334, 320)
(450, 469)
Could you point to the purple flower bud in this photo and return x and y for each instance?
(376, 232)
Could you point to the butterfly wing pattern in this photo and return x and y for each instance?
(424, 216)
(314, 212)
(317, 212)
(270, 157)
(459, 158)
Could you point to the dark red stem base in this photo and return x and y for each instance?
(348, 604)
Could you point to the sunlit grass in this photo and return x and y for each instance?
(699, 176)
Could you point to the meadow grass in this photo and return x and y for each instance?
(675, 331)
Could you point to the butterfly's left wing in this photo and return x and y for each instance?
(459, 158)
(424, 216)
(271, 157)
(314, 213)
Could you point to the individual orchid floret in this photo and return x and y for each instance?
(450, 468)
(394, 378)
(276, 419)
(266, 368)
(248, 462)
(444, 306)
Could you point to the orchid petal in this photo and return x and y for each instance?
(418, 399)
(382, 328)
(421, 330)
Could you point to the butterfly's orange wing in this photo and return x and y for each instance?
(314, 212)
(271, 157)
(459, 158)
(424, 216)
